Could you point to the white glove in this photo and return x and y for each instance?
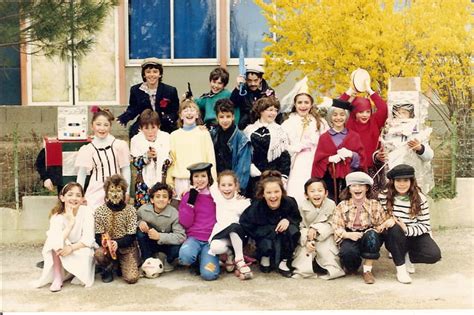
(254, 171)
(335, 158)
(344, 153)
(350, 91)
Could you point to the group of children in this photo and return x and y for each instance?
(319, 222)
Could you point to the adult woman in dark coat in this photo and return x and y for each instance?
(272, 220)
(153, 94)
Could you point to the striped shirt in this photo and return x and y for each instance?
(417, 225)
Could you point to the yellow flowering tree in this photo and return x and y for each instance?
(328, 39)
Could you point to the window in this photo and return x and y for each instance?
(172, 29)
(247, 29)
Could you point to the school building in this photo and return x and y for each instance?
(191, 37)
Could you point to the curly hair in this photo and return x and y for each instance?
(116, 180)
(262, 104)
(160, 186)
(269, 176)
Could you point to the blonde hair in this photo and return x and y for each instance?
(188, 103)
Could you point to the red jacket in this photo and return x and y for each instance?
(370, 130)
(326, 148)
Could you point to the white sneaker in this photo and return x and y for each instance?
(402, 274)
(409, 264)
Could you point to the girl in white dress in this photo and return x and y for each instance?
(303, 126)
(69, 243)
(103, 157)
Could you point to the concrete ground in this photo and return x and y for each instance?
(448, 284)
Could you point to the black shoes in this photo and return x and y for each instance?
(285, 273)
(107, 276)
(265, 269)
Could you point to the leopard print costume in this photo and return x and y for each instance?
(118, 224)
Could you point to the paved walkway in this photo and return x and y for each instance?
(447, 284)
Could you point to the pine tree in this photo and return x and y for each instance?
(62, 28)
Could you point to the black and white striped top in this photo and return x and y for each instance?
(401, 210)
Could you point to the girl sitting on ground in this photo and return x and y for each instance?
(357, 222)
(272, 221)
(197, 214)
(408, 236)
(317, 250)
(69, 243)
(227, 236)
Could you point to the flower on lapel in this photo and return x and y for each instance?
(164, 102)
(269, 92)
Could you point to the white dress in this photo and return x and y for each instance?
(80, 262)
(303, 143)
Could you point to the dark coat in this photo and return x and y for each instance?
(259, 221)
(167, 106)
(244, 103)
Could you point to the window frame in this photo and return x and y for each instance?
(235, 61)
(173, 61)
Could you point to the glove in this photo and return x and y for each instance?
(344, 153)
(350, 91)
(254, 171)
(335, 158)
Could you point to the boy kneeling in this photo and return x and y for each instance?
(158, 227)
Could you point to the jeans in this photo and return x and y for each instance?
(193, 251)
(367, 247)
(148, 247)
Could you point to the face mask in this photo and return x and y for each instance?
(115, 198)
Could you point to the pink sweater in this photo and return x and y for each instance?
(198, 221)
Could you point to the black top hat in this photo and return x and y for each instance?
(401, 171)
(198, 167)
(341, 104)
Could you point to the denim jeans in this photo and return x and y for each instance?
(148, 247)
(193, 251)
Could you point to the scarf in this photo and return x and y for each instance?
(278, 138)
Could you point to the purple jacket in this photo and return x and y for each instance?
(198, 221)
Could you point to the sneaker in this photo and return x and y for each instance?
(403, 276)
(368, 277)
